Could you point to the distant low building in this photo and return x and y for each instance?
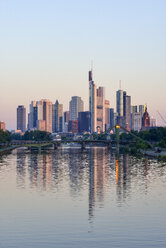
(84, 122)
(153, 122)
(2, 126)
(145, 120)
(136, 121)
(73, 126)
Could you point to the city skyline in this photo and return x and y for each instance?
(46, 50)
(39, 114)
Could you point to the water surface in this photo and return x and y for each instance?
(70, 198)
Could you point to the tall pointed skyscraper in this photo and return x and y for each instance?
(96, 106)
(92, 103)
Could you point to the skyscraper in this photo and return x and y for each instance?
(44, 115)
(119, 103)
(21, 118)
(107, 114)
(123, 107)
(32, 116)
(84, 122)
(57, 117)
(142, 109)
(96, 105)
(76, 105)
(101, 109)
(92, 103)
(65, 121)
(128, 112)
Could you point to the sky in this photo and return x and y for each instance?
(46, 49)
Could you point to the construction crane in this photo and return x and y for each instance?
(161, 117)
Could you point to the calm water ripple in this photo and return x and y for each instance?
(70, 198)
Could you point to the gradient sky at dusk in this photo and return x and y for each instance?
(46, 48)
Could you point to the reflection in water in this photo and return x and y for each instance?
(21, 168)
(96, 168)
(97, 178)
(74, 198)
(122, 177)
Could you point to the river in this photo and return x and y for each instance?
(74, 198)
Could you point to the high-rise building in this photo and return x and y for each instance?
(119, 103)
(44, 113)
(107, 114)
(101, 109)
(142, 109)
(112, 121)
(76, 105)
(123, 107)
(65, 121)
(134, 109)
(92, 103)
(84, 122)
(21, 118)
(2, 126)
(57, 117)
(32, 116)
(136, 121)
(96, 106)
(127, 112)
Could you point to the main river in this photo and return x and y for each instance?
(70, 198)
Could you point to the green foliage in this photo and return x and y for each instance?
(4, 136)
(154, 134)
(37, 135)
(162, 143)
(16, 136)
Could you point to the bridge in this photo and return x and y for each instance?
(58, 143)
(83, 142)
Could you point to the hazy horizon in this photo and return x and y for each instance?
(47, 48)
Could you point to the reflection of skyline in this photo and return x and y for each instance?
(122, 176)
(97, 178)
(91, 171)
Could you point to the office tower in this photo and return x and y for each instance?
(92, 103)
(76, 105)
(32, 116)
(66, 116)
(145, 120)
(57, 117)
(84, 122)
(119, 103)
(44, 115)
(107, 114)
(136, 121)
(127, 112)
(134, 109)
(101, 109)
(112, 121)
(123, 107)
(2, 126)
(65, 121)
(41, 125)
(21, 118)
(142, 109)
(96, 106)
